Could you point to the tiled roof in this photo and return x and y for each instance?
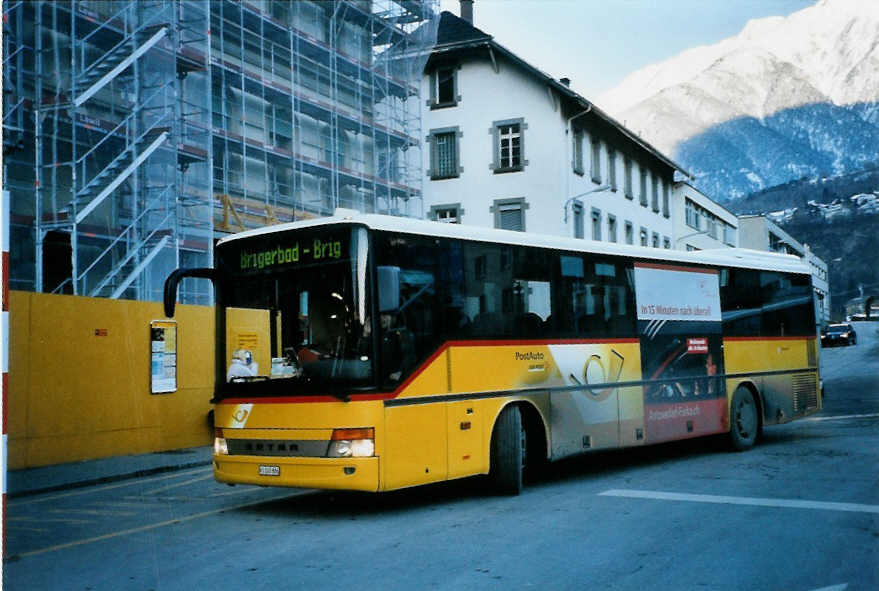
(453, 29)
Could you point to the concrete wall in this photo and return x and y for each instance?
(79, 372)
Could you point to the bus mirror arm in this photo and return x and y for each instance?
(174, 279)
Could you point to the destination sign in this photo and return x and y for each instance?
(309, 252)
(284, 251)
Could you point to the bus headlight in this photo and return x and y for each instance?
(363, 448)
(220, 447)
(352, 443)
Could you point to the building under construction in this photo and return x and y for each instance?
(137, 132)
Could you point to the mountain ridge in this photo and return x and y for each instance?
(800, 92)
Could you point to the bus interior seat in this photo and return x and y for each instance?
(488, 324)
(529, 325)
(455, 322)
(590, 325)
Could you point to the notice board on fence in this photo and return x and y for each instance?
(163, 356)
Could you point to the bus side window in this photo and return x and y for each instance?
(596, 297)
(397, 348)
(431, 306)
(531, 292)
(787, 304)
(740, 303)
(485, 272)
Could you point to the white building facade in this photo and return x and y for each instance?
(507, 146)
(698, 223)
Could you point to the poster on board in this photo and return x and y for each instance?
(163, 356)
(679, 324)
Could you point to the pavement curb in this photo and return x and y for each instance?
(45, 479)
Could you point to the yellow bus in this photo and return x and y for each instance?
(373, 353)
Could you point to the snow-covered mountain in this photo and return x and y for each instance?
(786, 98)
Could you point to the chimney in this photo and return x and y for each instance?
(565, 81)
(467, 10)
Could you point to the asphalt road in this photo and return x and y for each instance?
(798, 512)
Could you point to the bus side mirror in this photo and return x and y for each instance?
(388, 289)
(174, 279)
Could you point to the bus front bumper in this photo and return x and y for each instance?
(327, 473)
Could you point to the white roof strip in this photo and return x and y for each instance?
(727, 257)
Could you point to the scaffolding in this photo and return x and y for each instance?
(136, 132)
(309, 115)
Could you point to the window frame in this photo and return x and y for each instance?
(433, 168)
(497, 139)
(501, 205)
(577, 157)
(595, 217)
(666, 208)
(627, 178)
(611, 228)
(436, 209)
(654, 199)
(691, 214)
(612, 169)
(596, 160)
(729, 235)
(433, 102)
(579, 221)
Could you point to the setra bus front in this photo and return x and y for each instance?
(296, 402)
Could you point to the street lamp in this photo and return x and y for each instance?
(685, 236)
(595, 190)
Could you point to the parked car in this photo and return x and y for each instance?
(860, 317)
(838, 334)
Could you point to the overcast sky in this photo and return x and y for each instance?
(596, 43)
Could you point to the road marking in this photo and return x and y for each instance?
(89, 490)
(184, 483)
(93, 512)
(871, 415)
(51, 520)
(755, 501)
(13, 527)
(245, 489)
(144, 528)
(129, 505)
(169, 499)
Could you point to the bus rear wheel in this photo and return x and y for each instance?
(744, 420)
(507, 452)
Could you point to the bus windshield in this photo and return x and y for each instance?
(295, 309)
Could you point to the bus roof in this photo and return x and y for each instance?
(723, 257)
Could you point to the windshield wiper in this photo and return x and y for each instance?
(236, 379)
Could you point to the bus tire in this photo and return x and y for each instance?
(507, 452)
(744, 420)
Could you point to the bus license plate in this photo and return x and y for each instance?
(269, 470)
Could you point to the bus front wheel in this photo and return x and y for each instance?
(507, 452)
(744, 419)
